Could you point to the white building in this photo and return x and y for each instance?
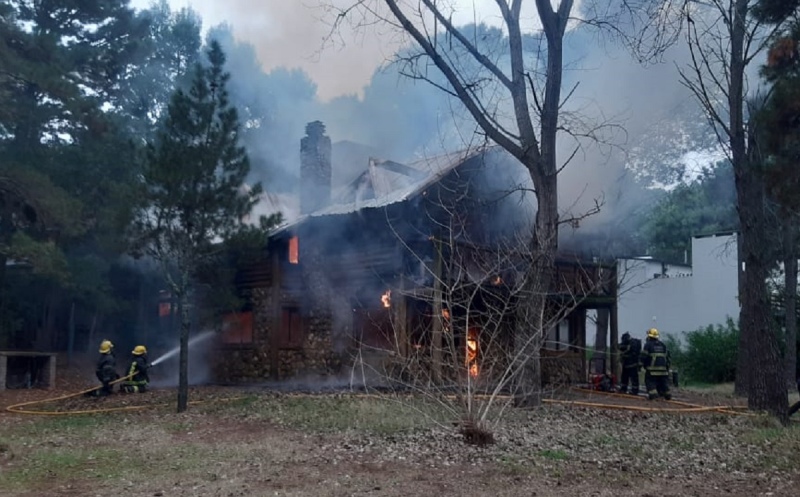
(680, 298)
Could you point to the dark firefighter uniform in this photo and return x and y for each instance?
(630, 350)
(137, 383)
(655, 361)
(106, 370)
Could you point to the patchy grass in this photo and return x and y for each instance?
(372, 415)
(554, 454)
(722, 389)
(330, 446)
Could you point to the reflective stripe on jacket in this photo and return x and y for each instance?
(655, 358)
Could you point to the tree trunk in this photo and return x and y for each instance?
(601, 339)
(790, 291)
(183, 375)
(71, 336)
(759, 350)
(5, 331)
(532, 316)
(91, 340)
(742, 364)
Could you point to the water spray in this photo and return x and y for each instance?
(199, 338)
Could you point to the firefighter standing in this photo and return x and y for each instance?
(630, 349)
(656, 362)
(106, 370)
(138, 377)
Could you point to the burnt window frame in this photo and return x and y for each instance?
(291, 338)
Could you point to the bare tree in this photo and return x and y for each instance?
(514, 94)
(724, 38)
(462, 348)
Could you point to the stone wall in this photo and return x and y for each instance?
(317, 355)
(248, 363)
(562, 369)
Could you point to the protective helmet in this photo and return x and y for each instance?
(106, 346)
(139, 350)
(652, 333)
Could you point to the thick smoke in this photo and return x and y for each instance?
(646, 120)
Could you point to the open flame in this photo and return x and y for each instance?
(471, 356)
(386, 299)
(294, 250)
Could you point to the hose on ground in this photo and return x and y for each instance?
(689, 407)
(685, 407)
(18, 408)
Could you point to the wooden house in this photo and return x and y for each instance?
(409, 266)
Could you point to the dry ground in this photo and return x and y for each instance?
(243, 443)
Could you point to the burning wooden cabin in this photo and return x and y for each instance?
(413, 271)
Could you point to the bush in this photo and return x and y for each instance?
(709, 355)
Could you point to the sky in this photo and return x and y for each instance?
(296, 33)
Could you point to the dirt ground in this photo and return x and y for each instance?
(241, 443)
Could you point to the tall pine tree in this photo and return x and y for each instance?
(193, 193)
(778, 126)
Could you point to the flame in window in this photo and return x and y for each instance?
(294, 250)
(471, 356)
(386, 299)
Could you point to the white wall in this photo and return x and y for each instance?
(677, 299)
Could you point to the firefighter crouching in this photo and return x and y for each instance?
(106, 370)
(656, 362)
(137, 383)
(630, 350)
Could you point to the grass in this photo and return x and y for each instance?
(554, 454)
(297, 441)
(336, 414)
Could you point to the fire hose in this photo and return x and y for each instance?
(685, 407)
(18, 408)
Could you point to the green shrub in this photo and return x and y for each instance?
(709, 354)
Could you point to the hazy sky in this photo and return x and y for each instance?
(292, 33)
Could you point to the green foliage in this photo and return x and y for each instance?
(709, 355)
(705, 205)
(777, 122)
(194, 193)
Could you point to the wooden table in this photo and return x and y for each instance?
(49, 365)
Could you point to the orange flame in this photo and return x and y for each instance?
(386, 299)
(471, 358)
(294, 250)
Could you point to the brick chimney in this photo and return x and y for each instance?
(315, 168)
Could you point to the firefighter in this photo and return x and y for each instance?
(630, 349)
(656, 362)
(106, 370)
(138, 377)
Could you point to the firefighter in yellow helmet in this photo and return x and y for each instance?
(139, 378)
(656, 362)
(106, 370)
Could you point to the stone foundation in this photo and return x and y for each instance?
(562, 369)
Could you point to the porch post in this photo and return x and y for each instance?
(400, 318)
(616, 367)
(274, 319)
(436, 332)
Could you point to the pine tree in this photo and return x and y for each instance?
(193, 192)
(778, 127)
